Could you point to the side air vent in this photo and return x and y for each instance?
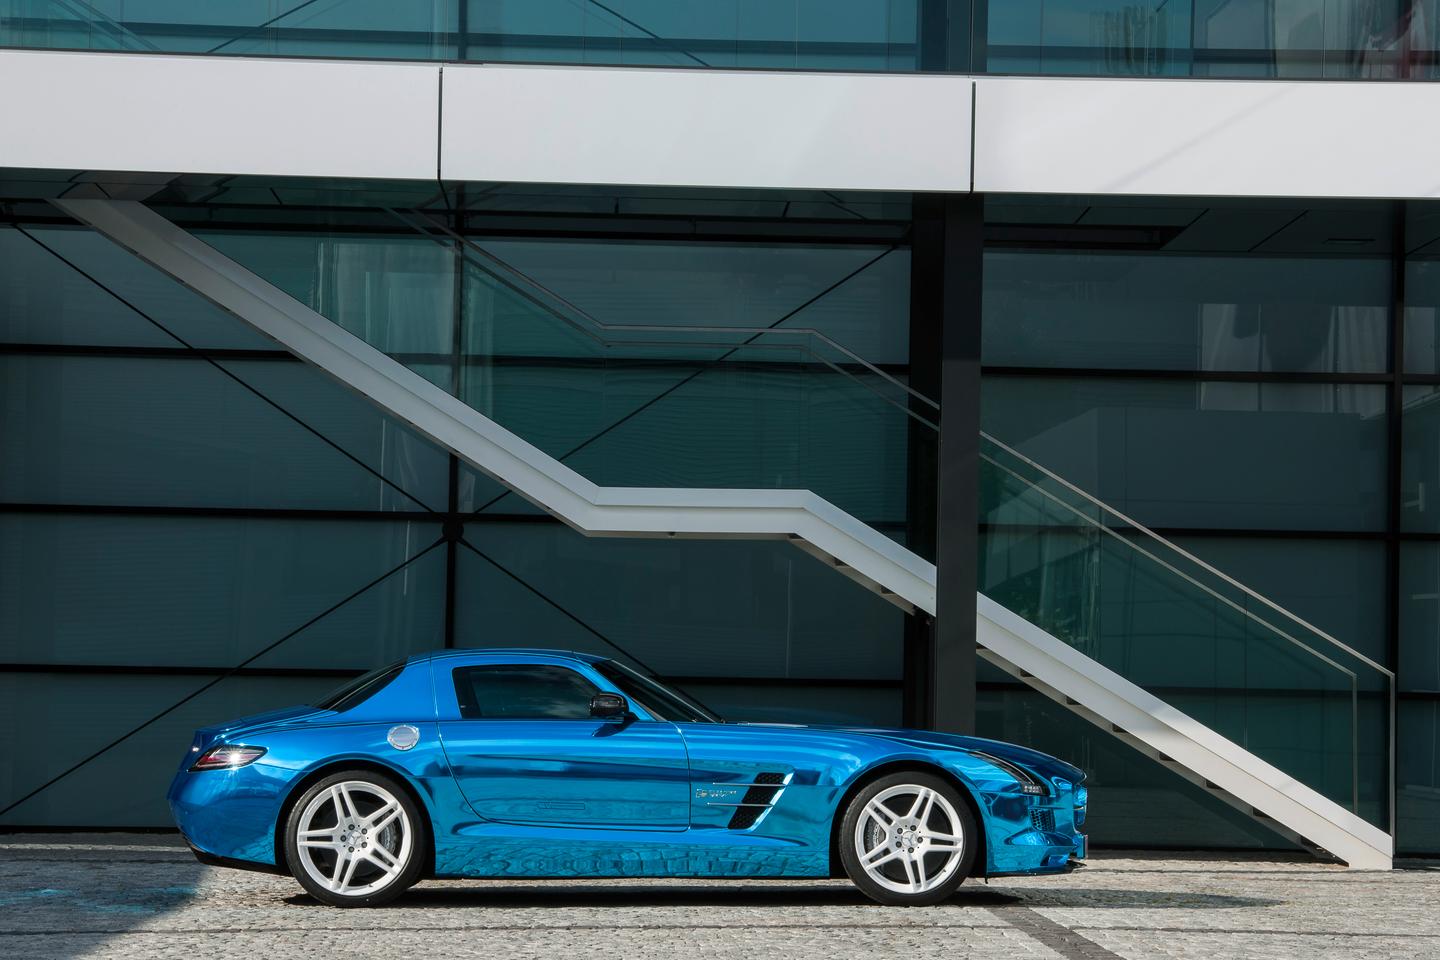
(1043, 820)
(764, 790)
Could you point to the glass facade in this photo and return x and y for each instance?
(1298, 39)
(179, 497)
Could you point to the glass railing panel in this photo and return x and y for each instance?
(1185, 632)
(669, 402)
(683, 405)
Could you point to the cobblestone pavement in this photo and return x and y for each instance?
(144, 896)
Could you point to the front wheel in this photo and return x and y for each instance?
(355, 839)
(908, 839)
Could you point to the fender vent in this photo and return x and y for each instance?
(764, 790)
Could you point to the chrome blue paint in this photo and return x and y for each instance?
(646, 797)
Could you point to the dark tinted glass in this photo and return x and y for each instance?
(659, 701)
(360, 689)
(522, 692)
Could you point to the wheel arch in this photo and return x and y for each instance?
(913, 765)
(325, 769)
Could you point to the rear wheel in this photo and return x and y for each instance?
(908, 839)
(355, 839)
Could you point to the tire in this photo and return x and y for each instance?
(364, 839)
(908, 839)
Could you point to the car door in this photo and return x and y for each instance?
(524, 750)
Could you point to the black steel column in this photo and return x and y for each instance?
(945, 276)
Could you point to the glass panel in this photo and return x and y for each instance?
(1420, 616)
(1417, 794)
(1174, 312)
(1389, 39)
(1338, 585)
(44, 300)
(680, 393)
(125, 786)
(684, 608)
(863, 704)
(793, 34)
(1208, 454)
(1337, 39)
(1165, 621)
(215, 591)
(1134, 801)
(1420, 460)
(178, 432)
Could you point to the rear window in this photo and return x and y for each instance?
(360, 689)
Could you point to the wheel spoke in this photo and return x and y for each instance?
(341, 859)
(349, 872)
(383, 859)
(319, 844)
(920, 798)
(881, 854)
(383, 817)
(909, 866)
(379, 850)
(924, 817)
(339, 806)
(880, 813)
(352, 812)
(944, 841)
(919, 858)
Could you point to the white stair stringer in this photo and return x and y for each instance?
(808, 521)
(1184, 744)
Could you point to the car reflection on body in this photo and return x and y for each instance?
(533, 763)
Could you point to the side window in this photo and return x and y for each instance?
(522, 692)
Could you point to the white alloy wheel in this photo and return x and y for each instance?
(909, 838)
(354, 839)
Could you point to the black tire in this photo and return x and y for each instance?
(406, 867)
(902, 841)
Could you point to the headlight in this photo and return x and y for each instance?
(227, 756)
(1029, 783)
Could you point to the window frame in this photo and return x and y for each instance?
(590, 676)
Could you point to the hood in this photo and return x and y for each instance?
(1043, 764)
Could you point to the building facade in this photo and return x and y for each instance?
(1126, 319)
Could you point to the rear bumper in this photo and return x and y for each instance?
(229, 815)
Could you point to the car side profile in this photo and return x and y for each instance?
(532, 763)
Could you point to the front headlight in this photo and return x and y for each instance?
(1029, 783)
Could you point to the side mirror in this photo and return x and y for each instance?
(609, 706)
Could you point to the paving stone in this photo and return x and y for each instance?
(143, 896)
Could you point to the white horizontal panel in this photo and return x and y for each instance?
(127, 112)
(1206, 137)
(706, 128)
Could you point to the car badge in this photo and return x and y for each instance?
(403, 737)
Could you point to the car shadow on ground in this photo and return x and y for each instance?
(487, 894)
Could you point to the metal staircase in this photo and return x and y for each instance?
(1044, 613)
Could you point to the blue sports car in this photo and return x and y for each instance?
(533, 763)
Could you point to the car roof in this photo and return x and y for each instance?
(519, 653)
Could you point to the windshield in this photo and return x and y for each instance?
(658, 700)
